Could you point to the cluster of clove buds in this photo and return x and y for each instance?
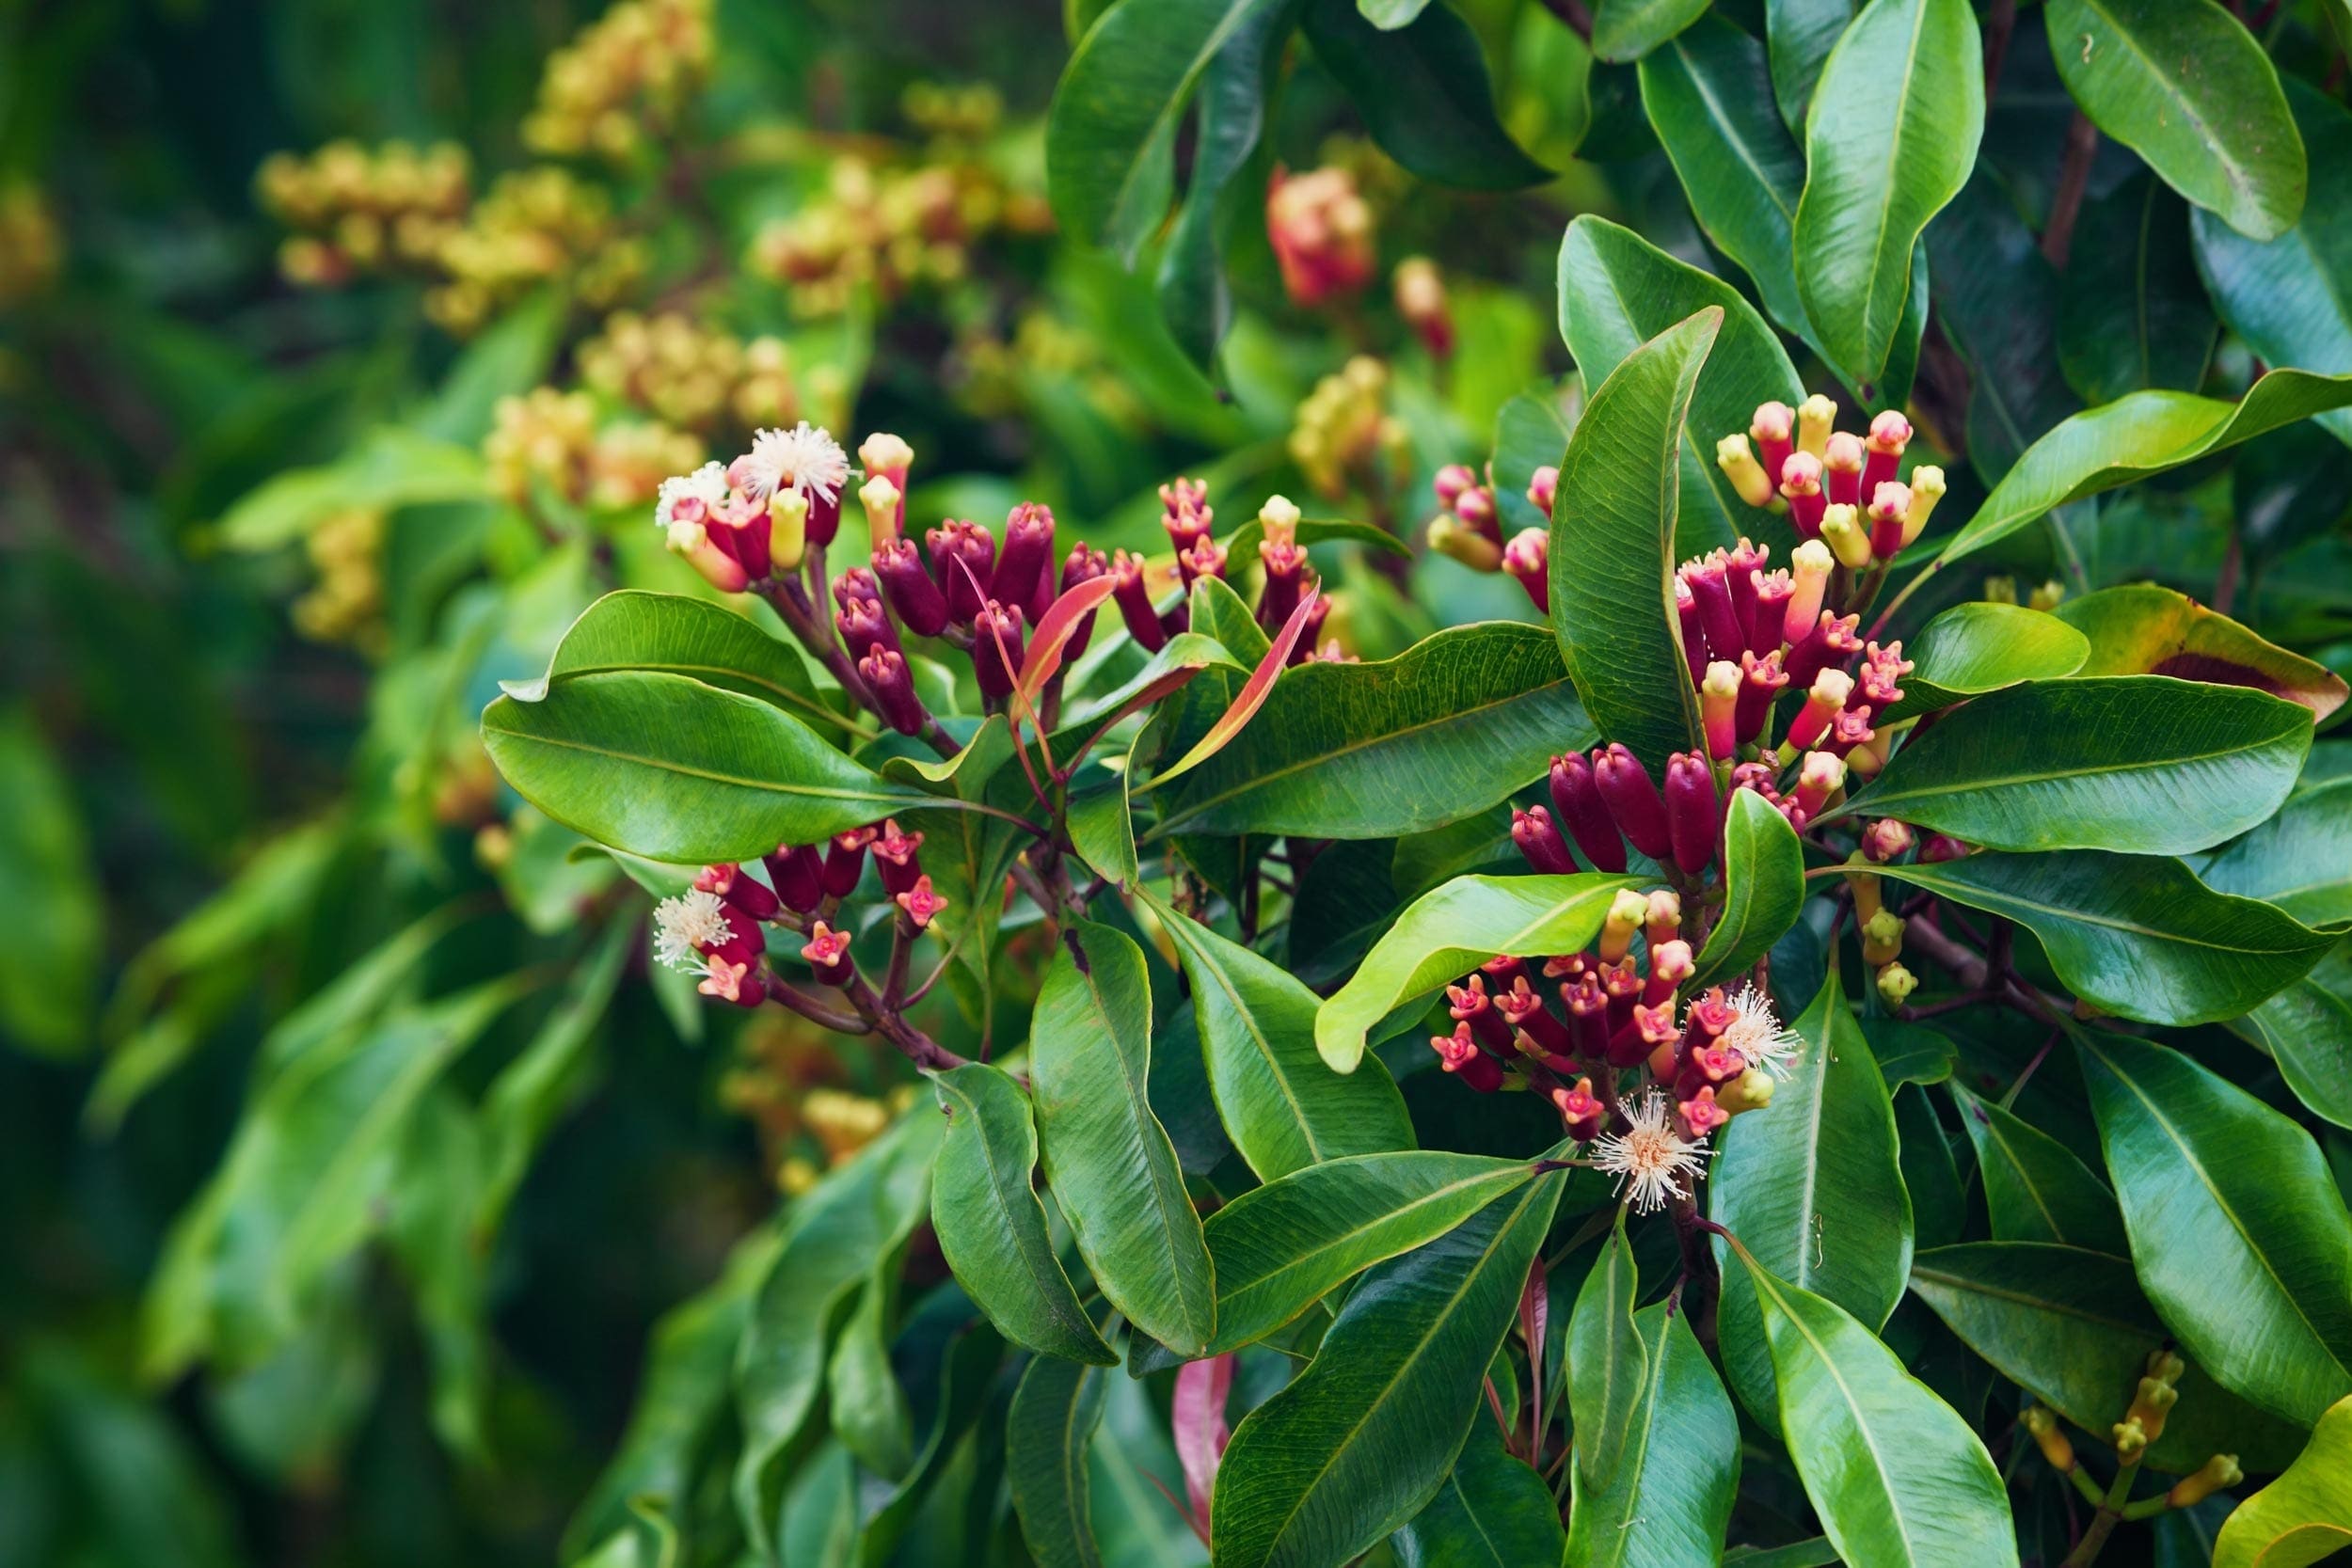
(1836, 487)
(1187, 517)
(718, 927)
(1469, 529)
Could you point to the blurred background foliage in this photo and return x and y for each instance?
(349, 1152)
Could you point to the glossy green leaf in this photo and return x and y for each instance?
(1423, 94)
(2306, 1028)
(2070, 1325)
(1283, 1106)
(2237, 1233)
(2133, 313)
(1896, 1477)
(991, 1225)
(1048, 1432)
(1362, 1440)
(1763, 889)
(1980, 646)
(2035, 1189)
(1448, 932)
(1101, 819)
(2291, 299)
(1669, 1502)
(1192, 289)
(1612, 545)
(2300, 860)
(1628, 29)
(1608, 1362)
(1449, 727)
(1800, 35)
(2306, 1514)
(2183, 84)
(676, 770)
(1617, 291)
(864, 1210)
(670, 632)
(1708, 94)
(1110, 137)
(1242, 543)
(1108, 1158)
(2136, 763)
(1812, 1188)
(2145, 628)
(1493, 1512)
(1939, 1206)
(1997, 301)
(2135, 437)
(1281, 1247)
(2136, 935)
(1908, 1052)
(1889, 140)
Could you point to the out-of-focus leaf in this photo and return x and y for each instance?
(2138, 935)
(2306, 1028)
(2145, 628)
(1108, 1159)
(1451, 931)
(1362, 1440)
(676, 770)
(2132, 312)
(2237, 1233)
(2136, 763)
(2306, 1514)
(1815, 1191)
(2184, 84)
(1628, 29)
(1612, 545)
(1889, 140)
(1231, 113)
(50, 925)
(1424, 93)
(389, 468)
(1996, 298)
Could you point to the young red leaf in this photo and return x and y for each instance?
(1253, 693)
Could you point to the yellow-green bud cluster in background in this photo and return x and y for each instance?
(552, 441)
(346, 603)
(30, 252)
(623, 81)
(694, 376)
(535, 226)
(1344, 437)
(359, 211)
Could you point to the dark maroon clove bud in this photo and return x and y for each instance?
(1579, 807)
(1710, 589)
(1632, 798)
(1133, 597)
(1532, 829)
(748, 896)
(865, 627)
(917, 600)
(1761, 681)
(1027, 558)
(1084, 565)
(996, 649)
(893, 686)
(963, 558)
(845, 860)
(798, 873)
(897, 857)
(1691, 814)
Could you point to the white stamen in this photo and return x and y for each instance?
(805, 458)
(1650, 1158)
(683, 924)
(1755, 1033)
(708, 485)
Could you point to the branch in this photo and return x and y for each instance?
(2082, 146)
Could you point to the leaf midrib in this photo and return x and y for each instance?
(2240, 181)
(1299, 1261)
(2103, 922)
(1853, 1405)
(1926, 792)
(712, 776)
(1175, 928)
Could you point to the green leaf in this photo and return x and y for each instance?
(1102, 824)
(1763, 889)
(1423, 94)
(387, 469)
(2135, 437)
(1801, 34)
(1996, 299)
(2139, 763)
(1612, 545)
(1446, 933)
(1939, 1206)
(861, 1212)
(1493, 1512)
(2300, 860)
(2035, 1189)
(1669, 1503)
(1889, 141)
(1108, 1159)
(2144, 628)
(2237, 1233)
(1050, 1428)
(2070, 1325)
(2304, 1516)
(1608, 1362)
(1628, 29)
(1812, 1188)
(1617, 292)
(992, 1225)
(1110, 135)
(1896, 1477)
(1908, 1052)
(1192, 289)
(2291, 299)
(51, 935)
(1447, 728)
(1980, 646)
(2184, 85)
(2306, 1028)
(670, 632)
(869, 1412)
(672, 769)
(1282, 1247)
(1362, 1440)
(1284, 1108)
(2138, 936)
(2132, 312)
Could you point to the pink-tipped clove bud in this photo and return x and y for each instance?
(1773, 590)
(1458, 1055)
(1822, 701)
(1670, 965)
(1719, 708)
(1801, 487)
(1775, 432)
(1889, 504)
(1820, 775)
(845, 860)
(1527, 557)
(1810, 567)
(1576, 801)
(1476, 510)
(828, 953)
(920, 903)
(1581, 1111)
(1452, 482)
(717, 568)
(1700, 1114)
(1543, 487)
(1835, 640)
(1708, 578)
(897, 855)
(881, 499)
(1842, 468)
(1187, 514)
(1743, 565)
(1748, 478)
(750, 898)
(1761, 681)
(883, 455)
(1663, 922)
(1626, 912)
(1890, 433)
(1693, 813)
(1632, 798)
(1885, 839)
